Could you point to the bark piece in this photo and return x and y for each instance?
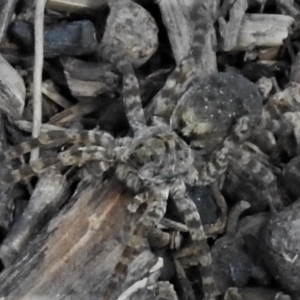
(87, 79)
(12, 90)
(45, 201)
(75, 255)
(176, 17)
(263, 30)
(75, 5)
(72, 113)
(7, 8)
(230, 30)
(254, 293)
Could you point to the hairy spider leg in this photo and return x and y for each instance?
(156, 199)
(257, 167)
(219, 226)
(166, 99)
(213, 167)
(203, 21)
(189, 212)
(131, 96)
(59, 137)
(76, 156)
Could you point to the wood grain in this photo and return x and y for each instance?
(74, 256)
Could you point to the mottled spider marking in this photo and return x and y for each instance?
(179, 80)
(27, 171)
(77, 156)
(213, 167)
(252, 172)
(156, 208)
(202, 20)
(59, 137)
(131, 96)
(189, 212)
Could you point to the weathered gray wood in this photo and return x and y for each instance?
(74, 256)
(206, 63)
(263, 30)
(176, 17)
(75, 5)
(47, 198)
(7, 8)
(229, 31)
(89, 80)
(12, 90)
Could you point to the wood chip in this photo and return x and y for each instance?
(78, 249)
(12, 90)
(263, 30)
(45, 201)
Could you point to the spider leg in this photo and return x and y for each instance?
(129, 176)
(219, 226)
(156, 199)
(214, 167)
(257, 167)
(138, 201)
(131, 96)
(166, 99)
(77, 156)
(189, 212)
(242, 129)
(282, 126)
(59, 137)
(202, 20)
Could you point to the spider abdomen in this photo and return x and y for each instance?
(209, 110)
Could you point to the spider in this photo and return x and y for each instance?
(154, 164)
(193, 134)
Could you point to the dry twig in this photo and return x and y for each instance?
(38, 70)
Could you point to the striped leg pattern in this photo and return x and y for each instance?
(131, 96)
(77, 156)
(177, 83)
(258, 169)
(188, 210)
(156, 200)
(59, 137)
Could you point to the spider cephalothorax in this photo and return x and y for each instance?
(157, 154)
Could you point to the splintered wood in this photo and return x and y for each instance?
(12, 90)
(74, 256)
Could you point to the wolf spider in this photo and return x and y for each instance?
(154, 164)
(189, 141)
